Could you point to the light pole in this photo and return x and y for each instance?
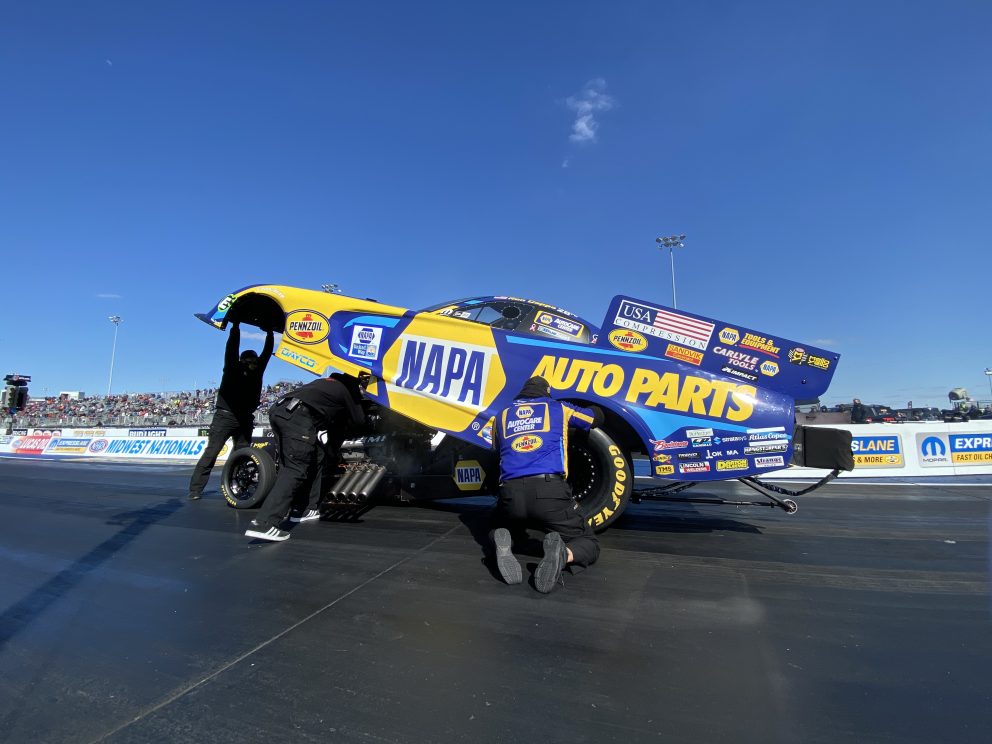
(330, 288)
(671, 242)
(988, 373)
(116, 320)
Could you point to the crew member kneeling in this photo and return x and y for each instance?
(329, 404)
(532, 438)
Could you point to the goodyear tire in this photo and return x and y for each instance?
(248, 476)
(600, 476)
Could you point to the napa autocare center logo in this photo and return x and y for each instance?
(954, 449)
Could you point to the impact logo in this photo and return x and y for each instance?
(730, 336)
(306, 326)
(769, 368)
(365, 342)
(527, 443)
(443, 370)
(628, 340)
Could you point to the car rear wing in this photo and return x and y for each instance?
(730, 350)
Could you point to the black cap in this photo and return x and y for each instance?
(535, 387)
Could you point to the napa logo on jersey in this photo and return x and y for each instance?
(526, 443)
(627, 340)
(306, 326)
(526, 418)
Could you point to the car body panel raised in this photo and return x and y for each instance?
(707, 400)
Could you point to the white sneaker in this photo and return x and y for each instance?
(308, 516)
(260, 532)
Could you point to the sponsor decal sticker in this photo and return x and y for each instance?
(443, 370)
(769, 368)
(66, 445)
(877, 452)
(664, 469)
(798, 355)
(694, 467)
(564, 325)
(306, 326)
(766, 448)
(699, 432)
(776, 461)
(728, 370)
(666, 444)
(730, 336)
(664, 324)
(701, 441)
(98, 445)
(732, 465)
(468, 475)
(736, 358)
(661, 458)
(683, 354)
(688, 455)
(526, 443)
(760, 343)
(365, 342)
(294, 356)
(626, 340)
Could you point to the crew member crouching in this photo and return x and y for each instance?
(532, 439)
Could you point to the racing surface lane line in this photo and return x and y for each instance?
(189, 688)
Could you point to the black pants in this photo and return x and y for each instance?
(296, 436)
(547, 505)
(224, 424)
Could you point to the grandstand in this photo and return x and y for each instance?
(184, 408)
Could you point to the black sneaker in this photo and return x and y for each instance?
(548, 572)
(509, 567)
(259, 531)
(308, 516)
(194, 496)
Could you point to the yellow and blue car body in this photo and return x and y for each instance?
(702, 399)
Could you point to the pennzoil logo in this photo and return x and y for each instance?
(628, 340)
(527, 443)
(306, 326)
(730, 336)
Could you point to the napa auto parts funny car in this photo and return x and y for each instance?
(701, 399)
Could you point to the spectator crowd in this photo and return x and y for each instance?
(187, 408)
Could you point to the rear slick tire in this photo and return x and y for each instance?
(600, 476)
(248, 476)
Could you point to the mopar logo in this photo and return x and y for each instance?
(933, 447)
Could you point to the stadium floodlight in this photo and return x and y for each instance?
(671, 242)
(331, 288)
(116, 320)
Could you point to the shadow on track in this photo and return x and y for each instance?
(20, 615)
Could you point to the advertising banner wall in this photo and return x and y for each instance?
(151, 443)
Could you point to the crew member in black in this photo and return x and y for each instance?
(237, 398)
(329, 404)
(531, 436)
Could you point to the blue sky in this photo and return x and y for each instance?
(830, 164)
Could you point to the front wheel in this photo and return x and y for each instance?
(248, 476)
(600, 476)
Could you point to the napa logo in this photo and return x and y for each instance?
(441, 369)
(769, 368)
(730, 336)
(306, 326)
(469, 475)
(524, 412)
(628, 340)
(526, 443)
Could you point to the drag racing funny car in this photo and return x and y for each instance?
(700, 399)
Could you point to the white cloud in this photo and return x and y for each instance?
(825, 342)
(108, 296)
(591, 100)
(253, 334)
